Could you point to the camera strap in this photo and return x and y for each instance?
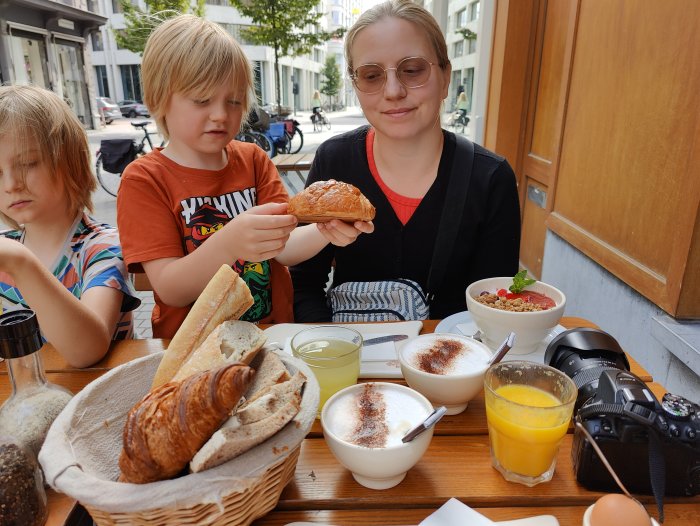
(657, 462)
(657, 471)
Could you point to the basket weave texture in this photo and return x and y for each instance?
(80, 458)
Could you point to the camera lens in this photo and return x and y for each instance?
(583, 354)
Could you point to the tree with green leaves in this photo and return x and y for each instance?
(289, 27)
(331, 85)
(467, 34)
(140, 23)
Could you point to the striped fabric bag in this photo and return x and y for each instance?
(370, 301)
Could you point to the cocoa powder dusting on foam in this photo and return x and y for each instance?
(371, 429)
(438, 359)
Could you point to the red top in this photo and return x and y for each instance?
(403, 206)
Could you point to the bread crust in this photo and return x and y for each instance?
(225, 297)
(232, 341)
(323, 201)
(165, 429)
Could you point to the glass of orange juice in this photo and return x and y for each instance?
(528, 410)
(333, 354)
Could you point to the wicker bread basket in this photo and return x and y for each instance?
(80, 459)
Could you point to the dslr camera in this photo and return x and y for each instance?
(648, 443)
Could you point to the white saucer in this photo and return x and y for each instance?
(467, 327)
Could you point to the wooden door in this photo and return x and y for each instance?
(595, 103)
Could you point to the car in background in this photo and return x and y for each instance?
(133, 108)
(108, 109)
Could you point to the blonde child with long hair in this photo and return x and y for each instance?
(56, 259)
(206, 200)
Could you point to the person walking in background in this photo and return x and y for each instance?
(315, 105)
(463, 105)
(402, 162)
(57, 260)
(206, 200)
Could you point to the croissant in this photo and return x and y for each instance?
(326, 200)
(169, 425)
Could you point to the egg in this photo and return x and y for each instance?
(611, 509)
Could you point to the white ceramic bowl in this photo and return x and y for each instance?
(530, 328)
(454, 386)
(374, 465)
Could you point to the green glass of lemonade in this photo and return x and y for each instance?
(333, 354)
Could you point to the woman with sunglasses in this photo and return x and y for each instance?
(397, 60)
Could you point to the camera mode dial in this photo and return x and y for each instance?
(677, 407)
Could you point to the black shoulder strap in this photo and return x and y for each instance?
(460, 174)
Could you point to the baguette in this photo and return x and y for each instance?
(225, 297)
(232, 341)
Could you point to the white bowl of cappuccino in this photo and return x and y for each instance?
(363, 426)
(447, 368)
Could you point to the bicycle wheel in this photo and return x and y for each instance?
(459, 126)
(295, 141)
(108, 181)
(326, 122)
(317, 124)
(265, 143)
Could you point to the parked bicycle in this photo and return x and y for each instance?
(115, 154)
(320, 120)
(295, 138)
(459, 121)
(266, 132)
(247, 134)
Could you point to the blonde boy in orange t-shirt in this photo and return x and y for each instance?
(205, 200)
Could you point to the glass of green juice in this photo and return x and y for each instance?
(333, 354)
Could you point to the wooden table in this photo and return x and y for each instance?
(293, 162)
(457, 464)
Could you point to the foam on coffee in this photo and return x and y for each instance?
(375, 415)
(445, 355)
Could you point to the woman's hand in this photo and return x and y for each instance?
(341, 233)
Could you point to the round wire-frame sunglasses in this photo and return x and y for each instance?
(411, 72)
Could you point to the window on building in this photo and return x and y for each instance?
(237, 31)
(317, 55)
(97, 43)
(468, 81)
(116, 7)
(473, 11)
(458, 49)
(461, 18)
(131, 81)
(28, 58)
(472, 46)
(102, 84)
(216, 2)
(257, 81)
(284, 83)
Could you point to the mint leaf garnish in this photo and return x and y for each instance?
(520, 281)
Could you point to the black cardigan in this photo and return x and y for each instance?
(487, 244)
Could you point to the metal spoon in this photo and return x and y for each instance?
(429, 422)
(506, 346)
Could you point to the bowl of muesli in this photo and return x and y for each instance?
(529, 308)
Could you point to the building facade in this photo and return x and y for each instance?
(43, 42)
(117, 71)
